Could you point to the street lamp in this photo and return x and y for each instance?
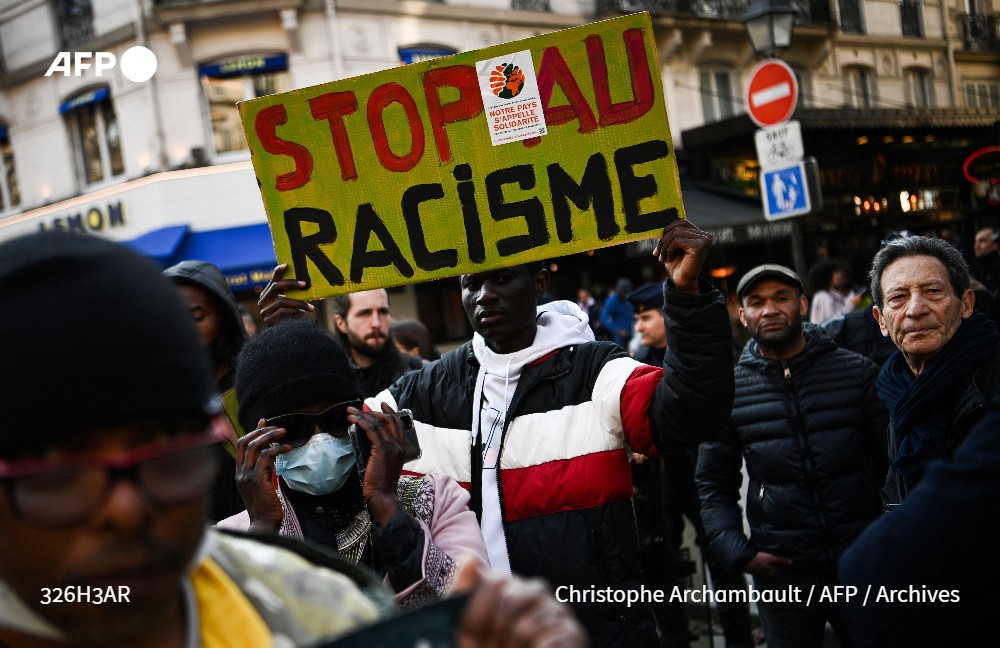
(769, 25)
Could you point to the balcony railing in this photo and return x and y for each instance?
(979, 33)
(909, 18)
(808, 10)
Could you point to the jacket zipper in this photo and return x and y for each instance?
(522, 388)
(803, 443)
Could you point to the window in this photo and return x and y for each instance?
(859, 87)
(919, 88)
(93, 128)
(76, 22)
(981, 7)
(910, 18)
(717, 100)
(851, 16)
(10, 195)
(982, 94)
(235, 79)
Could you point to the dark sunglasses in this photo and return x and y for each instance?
(65, 493)
(300, 426)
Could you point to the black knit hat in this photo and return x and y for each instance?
(294, 364)
(91, 336)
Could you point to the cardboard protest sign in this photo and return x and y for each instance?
(518, 152)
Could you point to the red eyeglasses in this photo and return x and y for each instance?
(64, 493)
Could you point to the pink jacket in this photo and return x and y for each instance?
(451, 533)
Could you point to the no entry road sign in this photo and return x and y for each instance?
(772, 93)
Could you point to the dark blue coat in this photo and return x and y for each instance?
(943, 537)
(813, 434)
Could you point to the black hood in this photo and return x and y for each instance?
(207, 276)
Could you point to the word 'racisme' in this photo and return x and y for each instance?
(593, 190)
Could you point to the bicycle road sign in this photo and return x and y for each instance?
(779, 145)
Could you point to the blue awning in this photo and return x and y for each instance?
(160, 244)
(93, 96)
(244, 65)
(244, 254)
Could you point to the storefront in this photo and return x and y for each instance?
(880, 171)
(212, 214)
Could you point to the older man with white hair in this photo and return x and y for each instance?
(937, 385)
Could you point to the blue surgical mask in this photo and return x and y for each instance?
(319, 467)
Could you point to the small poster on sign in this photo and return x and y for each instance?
(510, 97)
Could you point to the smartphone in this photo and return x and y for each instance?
(363, 447)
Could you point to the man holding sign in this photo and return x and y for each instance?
(534, 417)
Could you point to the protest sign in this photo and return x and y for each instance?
(518, 152)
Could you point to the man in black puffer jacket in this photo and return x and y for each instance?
(812, 430)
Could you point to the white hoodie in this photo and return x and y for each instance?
(560, 324)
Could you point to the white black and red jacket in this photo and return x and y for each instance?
(565, 482)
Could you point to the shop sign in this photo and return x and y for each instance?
(93, 219)
(983, 165)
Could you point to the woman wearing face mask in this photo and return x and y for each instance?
(298, 475)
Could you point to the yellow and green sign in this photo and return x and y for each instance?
(523, 151)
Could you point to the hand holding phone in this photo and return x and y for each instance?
(384, 428)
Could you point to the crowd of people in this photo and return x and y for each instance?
(563, 448)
